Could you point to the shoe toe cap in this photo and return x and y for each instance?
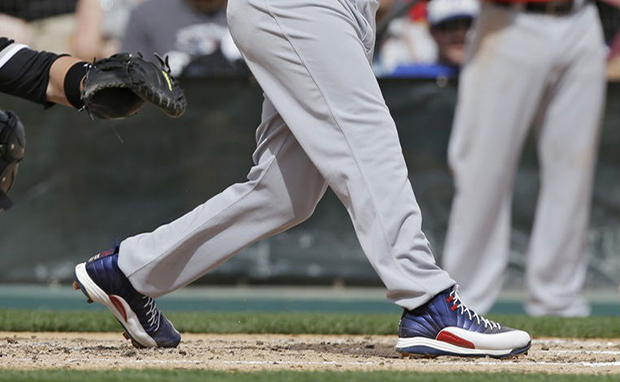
(504, 340)
(167, 336)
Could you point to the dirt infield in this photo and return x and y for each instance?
(297, 352)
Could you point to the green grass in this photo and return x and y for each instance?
(293, 323)
(155, 375)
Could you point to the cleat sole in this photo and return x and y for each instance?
(427, 348)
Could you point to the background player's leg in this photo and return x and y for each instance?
(568, 146)
(282, 190)
(500, 89)
(312, 59)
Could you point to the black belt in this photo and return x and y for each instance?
(553, 7)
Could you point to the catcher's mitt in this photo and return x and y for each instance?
(118, 86)
(12, 147)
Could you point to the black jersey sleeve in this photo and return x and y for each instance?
(24, 72)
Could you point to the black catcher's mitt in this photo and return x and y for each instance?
(12, 147)
(118, 86)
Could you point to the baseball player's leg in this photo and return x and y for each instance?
(499, 92)
(568, 146)
(282, 190)
(312, 59)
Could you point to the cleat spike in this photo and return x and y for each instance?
(89, 301)
(127, 337)
(76, 286)
(136, 344)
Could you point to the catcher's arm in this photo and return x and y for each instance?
(24, 72)
(41, 77)
(56, 86)
(115, 87)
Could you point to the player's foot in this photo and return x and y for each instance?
(101, 280)
(444, 326)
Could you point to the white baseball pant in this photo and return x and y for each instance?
(324, 123)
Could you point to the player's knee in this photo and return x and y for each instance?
(302, 210)
(289, 211)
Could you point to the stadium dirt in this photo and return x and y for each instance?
(297, 352)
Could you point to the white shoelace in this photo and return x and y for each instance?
(152, 312)
(470, 313)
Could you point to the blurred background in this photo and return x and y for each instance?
(85, 183)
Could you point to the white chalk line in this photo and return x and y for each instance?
(544, 363)
(451, 363)
(604, 352)
(560, 341)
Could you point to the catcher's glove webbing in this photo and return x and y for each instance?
(12, 147)
(118, 86)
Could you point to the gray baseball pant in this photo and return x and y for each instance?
(324, 123)
(526, 71)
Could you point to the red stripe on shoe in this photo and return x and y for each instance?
(119, 306)
(454, 340)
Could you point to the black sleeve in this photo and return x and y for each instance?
(24, 72)
(4, 42)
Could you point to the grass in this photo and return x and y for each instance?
(155, 375)
(293, 323)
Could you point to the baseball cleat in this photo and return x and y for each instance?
(444, 326)
(76, 286)
(101, 280)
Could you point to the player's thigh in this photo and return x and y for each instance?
(311, 60)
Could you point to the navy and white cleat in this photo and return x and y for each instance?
(101, 280)
(444, 326)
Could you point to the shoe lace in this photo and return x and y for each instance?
(152, 312)
(457, 303)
